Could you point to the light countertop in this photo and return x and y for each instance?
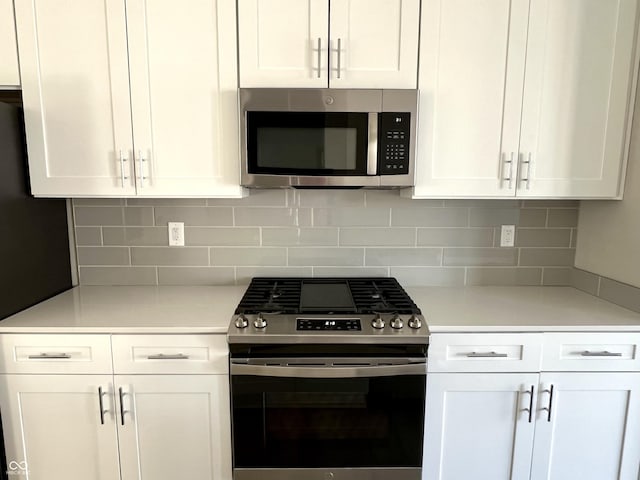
(209, 309)
(130, 310)
(519, 309)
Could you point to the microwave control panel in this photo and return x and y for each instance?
(393, 147)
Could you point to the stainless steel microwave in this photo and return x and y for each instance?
(328, 138)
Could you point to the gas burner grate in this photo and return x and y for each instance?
(271, 295)
(282, 295)
(381, 295)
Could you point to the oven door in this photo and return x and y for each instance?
(334, 418)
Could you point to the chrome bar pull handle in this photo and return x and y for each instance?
(141, 162)
(339, 65)
(121, 394)
(487, 355)
(510, 163)
(50, 356)
(528, 162)
(547, 409)
(529, 410)
(164, 356)
(123, 175)
(102, 410)
(604, 353)
(319, 57)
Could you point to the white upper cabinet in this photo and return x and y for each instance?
(184, 97)
(374, 44)
(471, 71)
(488, 129)
(300, 44)
(283, 43)
(135, 102)
(9, 73)
(75, 89)
(576, 97)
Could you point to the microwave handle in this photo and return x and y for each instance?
(372, 154)
(328, 371)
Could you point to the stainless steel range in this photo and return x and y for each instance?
(328, 380)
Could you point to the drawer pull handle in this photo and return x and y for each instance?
(605, 353)
(49, 356)
(486, 355)
(163, 356)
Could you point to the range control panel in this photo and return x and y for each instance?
(393, 138)
(352, 324)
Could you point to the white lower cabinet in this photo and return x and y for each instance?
(166, 427)
(592, 431)
(477, 426)
(53, 430)
(534, 425)
(148, 421)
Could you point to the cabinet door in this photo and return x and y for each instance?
(53, 430)
(283, 43)
(75, 88)
(9, 74)
(184, 97)
(593, 430)
(477, 424)
(580, 61)
(374, 43)
(175, 427)
(472, 56)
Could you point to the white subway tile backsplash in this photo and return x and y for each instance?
(480, 256)
(88, 236)
(136, 236)
(117, 275)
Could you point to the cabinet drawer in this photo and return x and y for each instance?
(189, 354)
(485, 352)
(591, 352)
(39, 353)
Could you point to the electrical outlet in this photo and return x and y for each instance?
(508, 236)
(176, 234)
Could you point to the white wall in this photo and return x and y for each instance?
(609, 231)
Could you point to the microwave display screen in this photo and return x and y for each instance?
(307, 143)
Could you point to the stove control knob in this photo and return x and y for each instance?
(241, 321)
(396, 322)
(415, 322)
(260, 321)
(377, 322)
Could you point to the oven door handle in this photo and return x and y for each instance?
(329, 371)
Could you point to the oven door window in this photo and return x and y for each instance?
(307, 143)
(317, 423)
